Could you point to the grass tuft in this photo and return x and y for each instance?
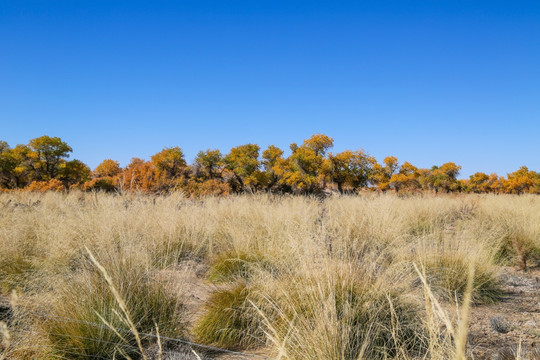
(448, 277)
(77, 321)
(230, 321)
(230, 267)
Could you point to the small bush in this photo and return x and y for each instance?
(43, 186)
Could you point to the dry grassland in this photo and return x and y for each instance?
(92, 276)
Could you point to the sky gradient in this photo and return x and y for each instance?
(426, 81)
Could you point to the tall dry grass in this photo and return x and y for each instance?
(299, 277)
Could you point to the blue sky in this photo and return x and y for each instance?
(426, 81)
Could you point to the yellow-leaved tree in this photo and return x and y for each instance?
(351, 169)
(381, 174)
(243, 162)
(303, 171)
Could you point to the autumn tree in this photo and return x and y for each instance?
(107, 168)
(74, 172)
(407, 179)
(243, 162)
(272, 156)
(105, 177)
(50, 153)
(522, 181)
(22, 169)
(170, 162)
(381, 174)
(319, 144)
(208, 178)
(443, 178)
(171, 169)
(478, 183)
(303, 171)
(138, 175)
(209, 164)
(496, 183)
(482, 183)
(350, 168)
(7, 165)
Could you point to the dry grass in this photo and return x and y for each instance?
(301, 277)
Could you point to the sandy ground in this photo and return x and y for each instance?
(496, 330)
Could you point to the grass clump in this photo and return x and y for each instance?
(520, 248)
(18, 258)
(14, 272)
(171, 253)
(518, 225)
(447, 275)
(343, 316)
(229, 267)
(230, 320)
(86, 319)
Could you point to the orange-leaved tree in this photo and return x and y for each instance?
(443, 178)
(107, 168)
(139, 175)
(522, 181)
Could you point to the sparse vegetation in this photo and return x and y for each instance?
(290, 277)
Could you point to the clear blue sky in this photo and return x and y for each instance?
(426, 81)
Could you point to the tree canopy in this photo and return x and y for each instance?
(309, 168)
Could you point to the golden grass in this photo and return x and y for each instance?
(301, 277)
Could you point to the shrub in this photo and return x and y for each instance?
(43, 186)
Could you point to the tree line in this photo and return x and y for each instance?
(311, 168)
